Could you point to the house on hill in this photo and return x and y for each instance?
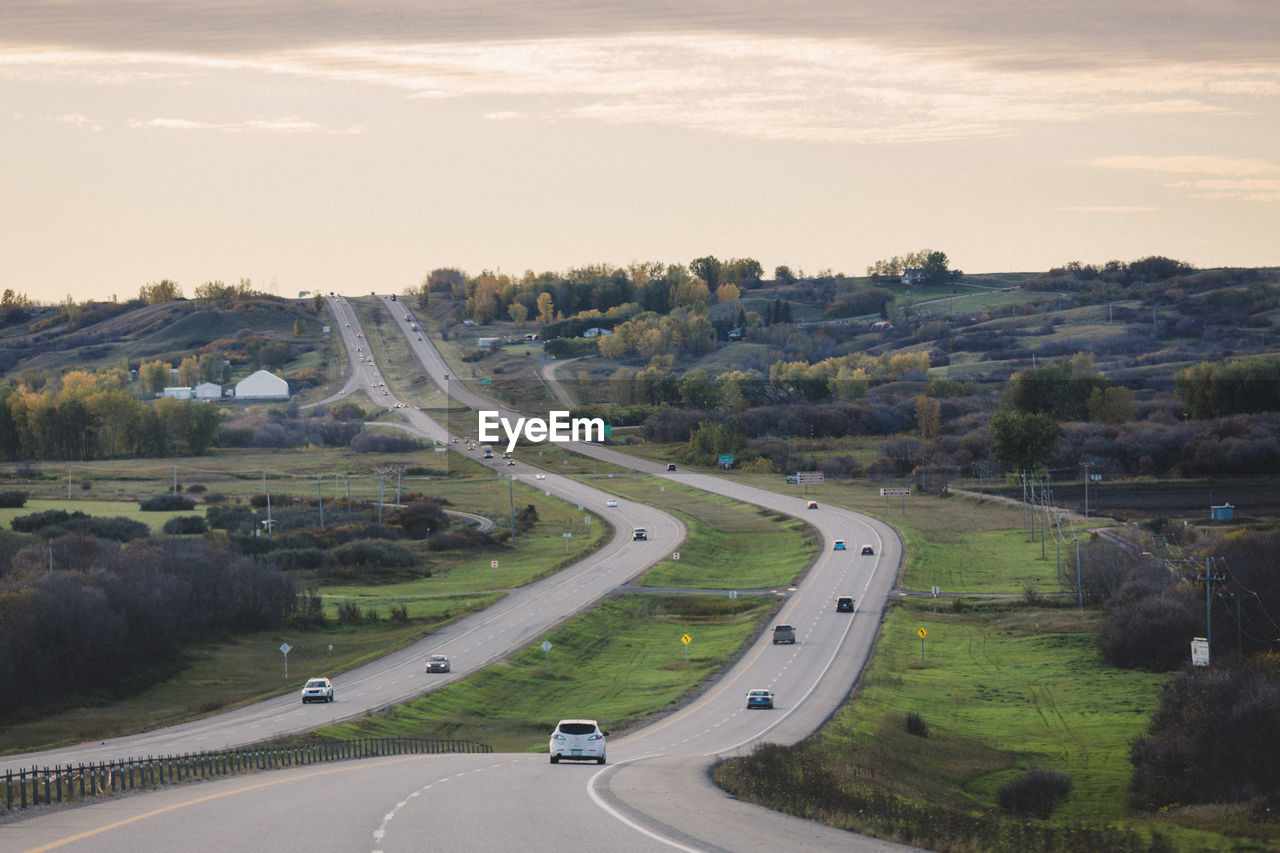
(913, 277)
(262, 385)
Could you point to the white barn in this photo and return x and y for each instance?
(179, 392)
(262, 385)
(208, 391)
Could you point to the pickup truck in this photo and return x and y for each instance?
(783, 634)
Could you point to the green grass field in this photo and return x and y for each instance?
(620, 663)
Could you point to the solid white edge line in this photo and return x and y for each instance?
(617, 815)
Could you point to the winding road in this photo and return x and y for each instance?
(655, 792)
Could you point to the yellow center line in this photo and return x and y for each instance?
(260, 785)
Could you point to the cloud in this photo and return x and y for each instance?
(1188, 164)
(1109, 208)
(279, 125)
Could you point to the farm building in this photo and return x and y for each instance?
(208, 391)
(179, 392)
(262, 385)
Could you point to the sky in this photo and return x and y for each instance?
(354, 145)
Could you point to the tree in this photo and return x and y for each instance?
(928, 416)
(784, 274)
(160, 291)
(211, 364)
(153, 376)
(546, 308)
(728, 293)
(708, 269)
(188, 371)
(518, 314)
(1113, 405)
(1023, 441)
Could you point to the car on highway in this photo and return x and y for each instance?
(671, 466)
(839, 546)
(639, 534)
(812, 505)
(784, 634)
(759, 699)
(612, 502)
(867, 549)
(317, 690)
(511, 461)
(577, 740)
(437, 663)
(844, 604)
(540, 476)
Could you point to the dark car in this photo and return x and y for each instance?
(671, 466)
(867, 549)
(783, 634)
(844, 604)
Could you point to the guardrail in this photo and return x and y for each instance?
(78, 782)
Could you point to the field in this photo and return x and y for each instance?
(620, 663)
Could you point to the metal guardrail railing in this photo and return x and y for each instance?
(74, 783)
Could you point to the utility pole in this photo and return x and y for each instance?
(1085, 466)
(1079, 583)
(1023, 474)
(1209, 579)
(175, 479)
(320, 498)
(511, 494)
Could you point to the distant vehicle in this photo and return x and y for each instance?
(759, 699)
(540, 476)
(612, 502)
(511, 461)
(577, 740)
(488, 453)
(839, 546)
(844, 604)
(639, 534)
(812, 505)
(393, 297)
(671, 466)
(867, 549)
(783, 634)
(317, 690)
(437, 663)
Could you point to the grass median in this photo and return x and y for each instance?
(621, 663)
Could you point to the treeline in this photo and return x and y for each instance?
(90, 417)
(109, 619)
(1213, 737)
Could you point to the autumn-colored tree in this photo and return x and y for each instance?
(189, 371)
(928, 415)
(546, 308)
(518, 313)
(153, 376)
(164, 290)
(728, 292)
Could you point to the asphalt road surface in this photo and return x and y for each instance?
(654, 793)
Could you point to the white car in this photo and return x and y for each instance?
(541, 477)
(577, 740)
(317, 690)
(612, 502)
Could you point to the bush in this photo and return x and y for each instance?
(916, 725)
(38, 520)
(12, 500)
(230, 517)
(167, 502)
(1036, 793)
(185, 524)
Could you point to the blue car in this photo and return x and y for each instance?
(759, 699)
(839, 545)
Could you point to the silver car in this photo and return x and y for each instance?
(317, 690)
(577, 740)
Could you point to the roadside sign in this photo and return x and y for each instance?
(493, 564)
(676, 555)
(608, 430)
(486, 381)
(546, 645)
(285, 647)
(726, 459)
(900, 492)
(686, 639)
(1199, 651)
(922, 633)
(806, 478)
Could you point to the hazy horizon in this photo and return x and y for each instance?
(344, 146)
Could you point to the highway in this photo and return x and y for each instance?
(654, 794)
